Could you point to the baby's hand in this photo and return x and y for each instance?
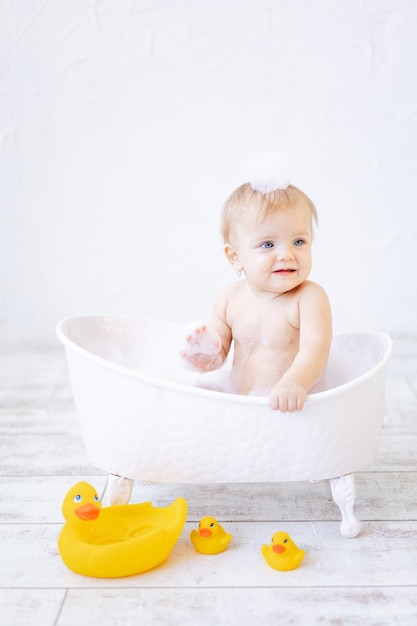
(287, 396)
(202, 346)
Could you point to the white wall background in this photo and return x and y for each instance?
(126, 123)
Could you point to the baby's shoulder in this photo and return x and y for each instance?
(229, 297)
(231, 290)
(310, 290)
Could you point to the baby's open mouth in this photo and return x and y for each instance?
(284, 271)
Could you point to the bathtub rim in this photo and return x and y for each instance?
(209, 393)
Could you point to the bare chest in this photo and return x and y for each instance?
(265, 326)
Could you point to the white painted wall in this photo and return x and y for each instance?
(126, 123)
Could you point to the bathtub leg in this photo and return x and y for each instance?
(118, 489)
(344, 493)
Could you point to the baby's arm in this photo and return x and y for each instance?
(205, 347)
(290, 392)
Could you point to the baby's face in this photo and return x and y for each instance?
(275, 253)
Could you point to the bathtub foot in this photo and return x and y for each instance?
(344, 493)
(119, 489)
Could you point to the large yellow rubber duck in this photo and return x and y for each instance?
(211, 538)
(282, 554)
(116, 541)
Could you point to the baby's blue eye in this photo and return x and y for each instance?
(267, 244)
(298, 242)
(78, 498)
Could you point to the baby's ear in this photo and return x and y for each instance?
(231, 254)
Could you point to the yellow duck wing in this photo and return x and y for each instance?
(152, 535)
(265, 551)
(194, 536)
(130, 557)
(298, 556)
(134, 517)
(273, 560)
(225, 539)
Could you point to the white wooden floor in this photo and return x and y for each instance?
(370, 580)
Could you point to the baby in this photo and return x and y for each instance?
(279, 321)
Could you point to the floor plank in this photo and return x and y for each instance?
(224, 606)
(31, 607)
(388, 496)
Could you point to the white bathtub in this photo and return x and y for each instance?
(144, 417)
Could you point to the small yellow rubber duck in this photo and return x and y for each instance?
(119, 540)
(282, 554)
(211, 538)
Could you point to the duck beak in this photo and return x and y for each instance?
(205, 532)
(87, 512)
(278, 549)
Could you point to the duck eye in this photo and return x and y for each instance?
(96, 498)
(212, 524)
(285, 540)
(78, 498)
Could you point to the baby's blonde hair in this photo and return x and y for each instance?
(247, 202)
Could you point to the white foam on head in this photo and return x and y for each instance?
(269, 171)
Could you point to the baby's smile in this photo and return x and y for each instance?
(285, 270)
